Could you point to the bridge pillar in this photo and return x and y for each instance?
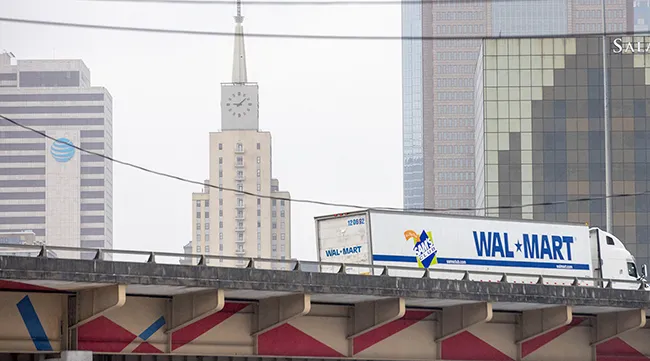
(95, 302)
(189, 308)
(367, 316)
(456, 319)
(276, 311)
(614, 324)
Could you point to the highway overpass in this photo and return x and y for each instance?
(119, 309)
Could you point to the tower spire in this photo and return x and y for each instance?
(239, 56)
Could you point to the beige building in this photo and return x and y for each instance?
(241, 220)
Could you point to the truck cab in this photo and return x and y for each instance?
(615, 262)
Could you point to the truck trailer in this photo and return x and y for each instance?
(484, 248)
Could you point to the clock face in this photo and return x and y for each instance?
(239, 104)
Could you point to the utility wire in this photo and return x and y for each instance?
(296, 36)
(303, 2)
(308, 201)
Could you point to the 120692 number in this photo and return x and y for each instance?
(356, 221)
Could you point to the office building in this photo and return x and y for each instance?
(438, 82)
(230, 223)
(641, 16)
(540, 133)
(63, 195)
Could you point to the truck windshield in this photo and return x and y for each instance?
(631, 269)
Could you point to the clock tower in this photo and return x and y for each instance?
(239, 98)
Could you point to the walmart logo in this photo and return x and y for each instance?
(62, 150)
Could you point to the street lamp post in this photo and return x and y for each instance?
(606, 126)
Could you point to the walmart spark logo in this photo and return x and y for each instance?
(425, 252)
(62, 150)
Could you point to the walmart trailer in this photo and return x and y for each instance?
(449, 245)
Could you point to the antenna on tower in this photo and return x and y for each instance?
(239, 18)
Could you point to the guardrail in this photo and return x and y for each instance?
(343, 268)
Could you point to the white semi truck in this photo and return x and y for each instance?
(487, 248)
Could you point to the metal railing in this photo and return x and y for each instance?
(45, 251)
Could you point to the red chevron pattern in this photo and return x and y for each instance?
(617, 350)
(536, 343)
(467, 347)
(287, 340)
(20, 286)
(379, 334)
(103, 335)
(191, 332)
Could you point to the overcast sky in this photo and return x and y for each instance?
(333, 107)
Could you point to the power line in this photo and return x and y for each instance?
(296, 36)
(302, 2)
(308, 201)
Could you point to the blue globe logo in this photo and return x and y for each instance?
(62, 150)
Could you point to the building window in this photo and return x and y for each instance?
(259, 236)
(259, 246)
(198, 204)
(221, 213)
(259, 159)
(240, 236)
(282, 225)
(207, 226)
(282, 203)
(259, 201)
(198, 249)
(198, 226)
(274, 248)
(198, 237)
(207, 249)
(220, 160)
(281, 248)
(282, 236)
(258, 146)
(220, 224)
(259, 172)
(207, 237)
(220, 173)
(274, 237)
(240, 160)
(198, 214)
(220, 146)
(259, 187)
(259, 212)
(220, 201)
(220, 247)
(207, 203)
(274, 214)
(240, 187)
(274, 202)
(259, 224)
(240, 147)
(282, 257)
(274, 225)
(282, 213)
(220, 236)
(207, 214)
(240, 202)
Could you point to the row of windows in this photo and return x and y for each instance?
(453, 123)
(596, 27)
(460, 29)
(455, 189)
(455, 109)
(596, 2)
(457, 55)
(239, 147)
(454, 136)
(456, 3)
(275, 236)
(455, 149)
(455, 163)
(207, 204)
(455, 176)
(597, 14)
(461, 15)
(455, 69)
(455, 95)
(455, 203)
(455, 82)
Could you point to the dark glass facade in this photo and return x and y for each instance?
(541, 133)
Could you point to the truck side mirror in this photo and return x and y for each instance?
(644, 271)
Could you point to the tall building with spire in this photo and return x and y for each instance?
(231, 223)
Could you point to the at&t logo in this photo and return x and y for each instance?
(62, 150)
